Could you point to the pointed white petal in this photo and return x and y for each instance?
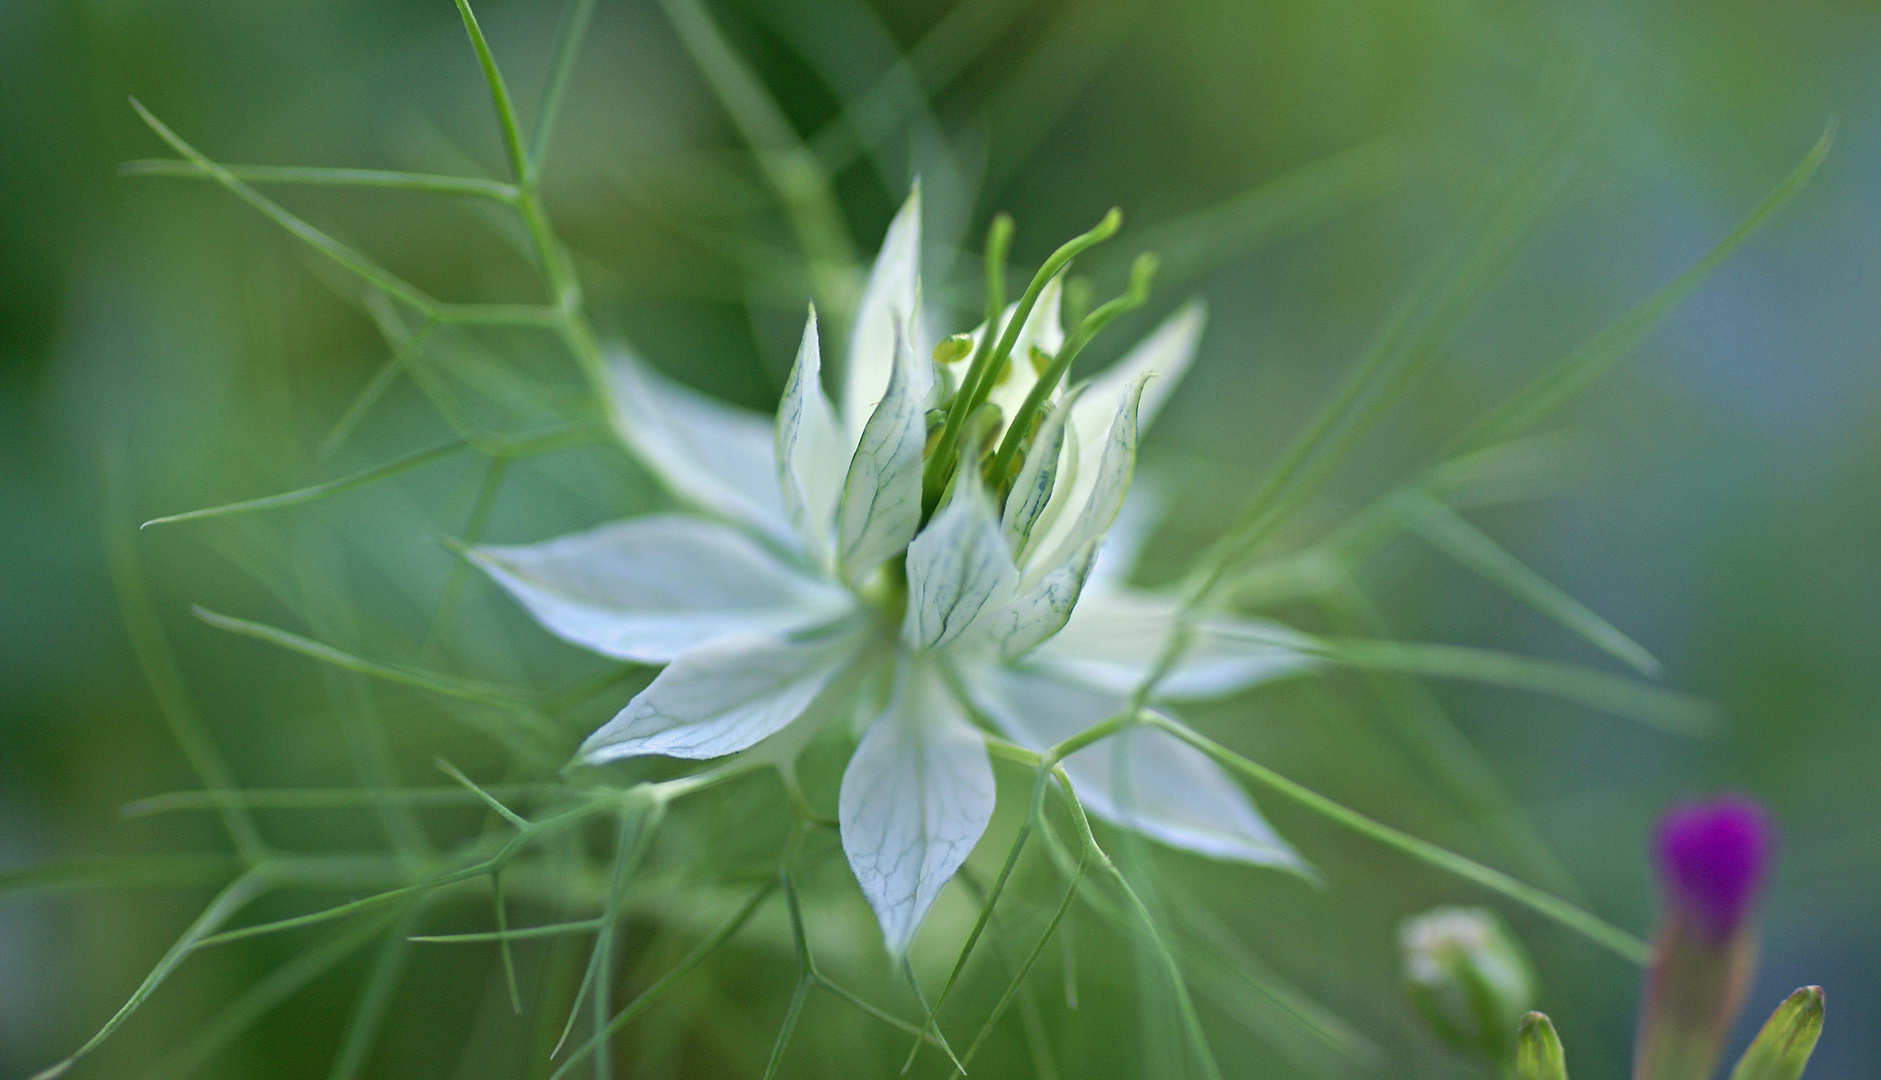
(722, 696)
(1166, 353)
(881, 500)
(887, 305)
(1096, 491)
(1115, 635)
(1039, 610)
(649, 588)
(1144, 779)
(715, 456)
(959, 568)
(915, 798)
(1032, 488)
(810, 450)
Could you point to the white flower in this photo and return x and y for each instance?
(786, 609)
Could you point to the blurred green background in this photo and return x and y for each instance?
(1720, 506)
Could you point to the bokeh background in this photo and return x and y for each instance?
(1719, 503)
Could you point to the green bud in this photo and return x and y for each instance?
(954, 348)
(1468, 977)
(1783, 1047)
(1538, 1054)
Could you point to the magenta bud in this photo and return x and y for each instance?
(1712, 859)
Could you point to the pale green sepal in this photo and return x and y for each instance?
(1781, 1050)
(914, 800)
(649, 588)
(810, 450)
(959, 568)
(723, 696)
(1538, 1053)
(887, 305)
(881, 499)
(715, 456)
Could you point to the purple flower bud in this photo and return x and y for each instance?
(1712, 857)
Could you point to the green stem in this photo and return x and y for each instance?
(1588, 925)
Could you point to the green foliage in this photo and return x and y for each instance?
(708, 877)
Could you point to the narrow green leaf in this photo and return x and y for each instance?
(259, 998)
(499, 96)
(448, 685)
(227, 903)
(1447, 531)
(635, 838)
(700, 953)
(793, 174)
(180, 870)
(326, 798)
(375, 996)
(568, 34)
(489, 800)
(1668, 710)
(791, 1012)
(1591, 927)
(1781, 1049)
(291, 174)
(320, 490)
(524, 933)
(158, 663)
(319, 241)
(1602, 351)
(1538, 1053)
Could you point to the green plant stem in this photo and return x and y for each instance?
(1594, 929)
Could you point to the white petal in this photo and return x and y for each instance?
(915, 798)
(810, 449)
(1144, 779)
(1032, 488)
(887, 305)
(1096, 491)
(881, 500)
(1116, 634)
(649, 588)
(723, 696)
(1040, 609)
(959, 568)
(1166, 353)
(716, 456)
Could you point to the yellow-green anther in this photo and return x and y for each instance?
(1782, 1048)
(953, 348)
(1538, 1054)
(935, 418)
(1040, 360)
